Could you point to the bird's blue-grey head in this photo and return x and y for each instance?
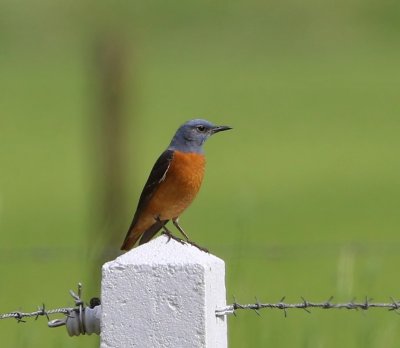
(191, 136)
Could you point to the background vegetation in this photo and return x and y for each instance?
(301, 199)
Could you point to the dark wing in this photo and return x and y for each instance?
(156, 176)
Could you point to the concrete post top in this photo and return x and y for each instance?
(163, 294)
(163, 250)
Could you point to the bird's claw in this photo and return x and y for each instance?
(171, 236)
(197, 246)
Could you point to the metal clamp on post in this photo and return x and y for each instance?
(81, 320)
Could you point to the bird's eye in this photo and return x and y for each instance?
(201, 128)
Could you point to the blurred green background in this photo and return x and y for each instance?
(300, 199)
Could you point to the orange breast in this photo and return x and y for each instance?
(181, 184)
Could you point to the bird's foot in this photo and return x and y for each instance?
(197, 246)
(171, 236)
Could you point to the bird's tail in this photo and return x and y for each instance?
(130, 239)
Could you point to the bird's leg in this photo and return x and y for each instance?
(167, 232)
(180, 229)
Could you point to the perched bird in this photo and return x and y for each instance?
(173, 183)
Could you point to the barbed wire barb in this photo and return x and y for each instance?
(256, 310)
(306, 305)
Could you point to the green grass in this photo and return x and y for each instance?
(300, 199)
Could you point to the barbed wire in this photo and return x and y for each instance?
(305, 305)
(79, 320)
(308, 305)
(43, 312)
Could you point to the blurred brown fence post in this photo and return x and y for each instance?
(109, 174)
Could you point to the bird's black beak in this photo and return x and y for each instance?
(220, 129)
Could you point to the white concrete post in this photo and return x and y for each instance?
(163, 294)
